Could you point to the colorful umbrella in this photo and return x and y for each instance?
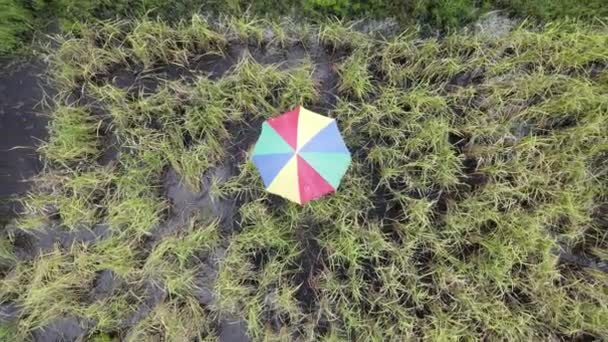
(301, 155)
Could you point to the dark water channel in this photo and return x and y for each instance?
(22, 127)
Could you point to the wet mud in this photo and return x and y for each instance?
(22, 128)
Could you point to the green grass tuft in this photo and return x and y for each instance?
(15, 20)
(73, 136)
(355, 78)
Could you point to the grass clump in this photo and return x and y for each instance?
(193, 163)
(77, 197)
(45, 289)
(338, 34)
(153, 41)
(199, 36)
(209, 111)
(135, 215)
(15, 20)
(245, 29)
(73, 135)
(252, 85)
(299, 86)
(355, 79)
(552, 10)
(81, 58)
(173, 261)
(562, 45)
(175, 320)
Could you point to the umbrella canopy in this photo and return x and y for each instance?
(301, 155)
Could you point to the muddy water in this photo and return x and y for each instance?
(21, 129)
